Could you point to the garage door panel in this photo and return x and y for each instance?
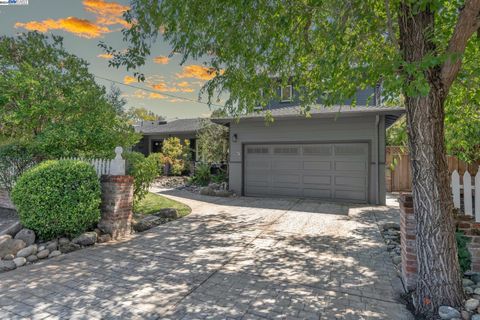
(321, 171)
(286, 191)
(318, 180)
(350, 181)
(287, 178)
(317, 193)
(317, 165)
(292, 164)
(350, 166)
(349, 195)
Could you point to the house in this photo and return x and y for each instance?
(154, 132)
(337, 154)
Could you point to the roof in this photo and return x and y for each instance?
(318, 111)
(175, 126)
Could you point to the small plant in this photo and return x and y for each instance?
(220, 177)
(58, 198)
(464, 256)
(144, 171)
(202, 174)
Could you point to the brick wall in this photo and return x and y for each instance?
(117, 199)
(407, 241)
(464, 223)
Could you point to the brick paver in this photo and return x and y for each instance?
(238, 258)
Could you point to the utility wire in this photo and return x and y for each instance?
(157, 91)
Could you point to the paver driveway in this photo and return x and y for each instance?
(240, 258)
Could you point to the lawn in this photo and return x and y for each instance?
(153, 203)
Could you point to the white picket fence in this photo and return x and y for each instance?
(113, 167)
(468, 192)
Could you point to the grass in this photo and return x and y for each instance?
(153, 203)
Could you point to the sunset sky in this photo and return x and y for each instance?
(84, 23)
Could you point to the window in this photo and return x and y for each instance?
(286, 93)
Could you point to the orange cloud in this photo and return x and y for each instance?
(161, 60)
(183, 84)
(197, 72)
(80, 27)
(141, 94)
(156, 96)
(129, 79)
(108, 13)
(163, 87)
(105, 56)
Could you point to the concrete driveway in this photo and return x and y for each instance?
(235, 258)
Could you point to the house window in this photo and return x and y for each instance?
(286, 93)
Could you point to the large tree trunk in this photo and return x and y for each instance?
(439, 277)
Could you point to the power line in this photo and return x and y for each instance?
(157, 91)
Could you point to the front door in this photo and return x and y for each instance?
(157, 146)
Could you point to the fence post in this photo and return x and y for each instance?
(456, 189)
(477, 197)
(467, 193)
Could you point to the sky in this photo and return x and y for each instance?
(84, 23)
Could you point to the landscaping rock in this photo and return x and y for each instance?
(169, 213)
(468, 290)
(9, 257)
(25, 252)
(475, 277)
(27, 235)
(471, 304)
(467, 282)
(104, 238)
(475, 317)
(32, 258)
(10, 246)
(67, 246)
(52, 245)
(390, 225)
(7, 265)
(12, 229)
(20, 261)
(41, 247)
(54, 254)
(43, 254)
(86, 239)
(476, 291)
(397, 259)
(207, 191)
(147, 223)
(448, 313)
(465, 315)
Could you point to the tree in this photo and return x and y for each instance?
(141, 114)
(212, 140)
(48, 98)
(415, 48)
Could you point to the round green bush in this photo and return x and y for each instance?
(58, 198)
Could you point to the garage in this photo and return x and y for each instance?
(329, 171)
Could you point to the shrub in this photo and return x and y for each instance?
(220, 177)
(464, 257)
(144, 171)
(160, 160)
(15, 159)
(202, 174)
(58, 197)
(176, 155)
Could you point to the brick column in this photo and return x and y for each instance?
(407, 241)
(117, 200)
(471, 230)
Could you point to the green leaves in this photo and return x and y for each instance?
(48, 97)
(58, 198)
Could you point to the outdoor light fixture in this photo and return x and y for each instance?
(235, 137)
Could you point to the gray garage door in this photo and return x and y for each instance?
(325, 171)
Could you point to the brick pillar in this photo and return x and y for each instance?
(117, 199)
(407, 240)
(471, 230)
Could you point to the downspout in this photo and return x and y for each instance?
(377, 155)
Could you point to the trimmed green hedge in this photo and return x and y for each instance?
(58, 198)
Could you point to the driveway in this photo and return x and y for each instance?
(232, 258)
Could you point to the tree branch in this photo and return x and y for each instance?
(467, 24)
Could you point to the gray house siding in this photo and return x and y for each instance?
(313, 130)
